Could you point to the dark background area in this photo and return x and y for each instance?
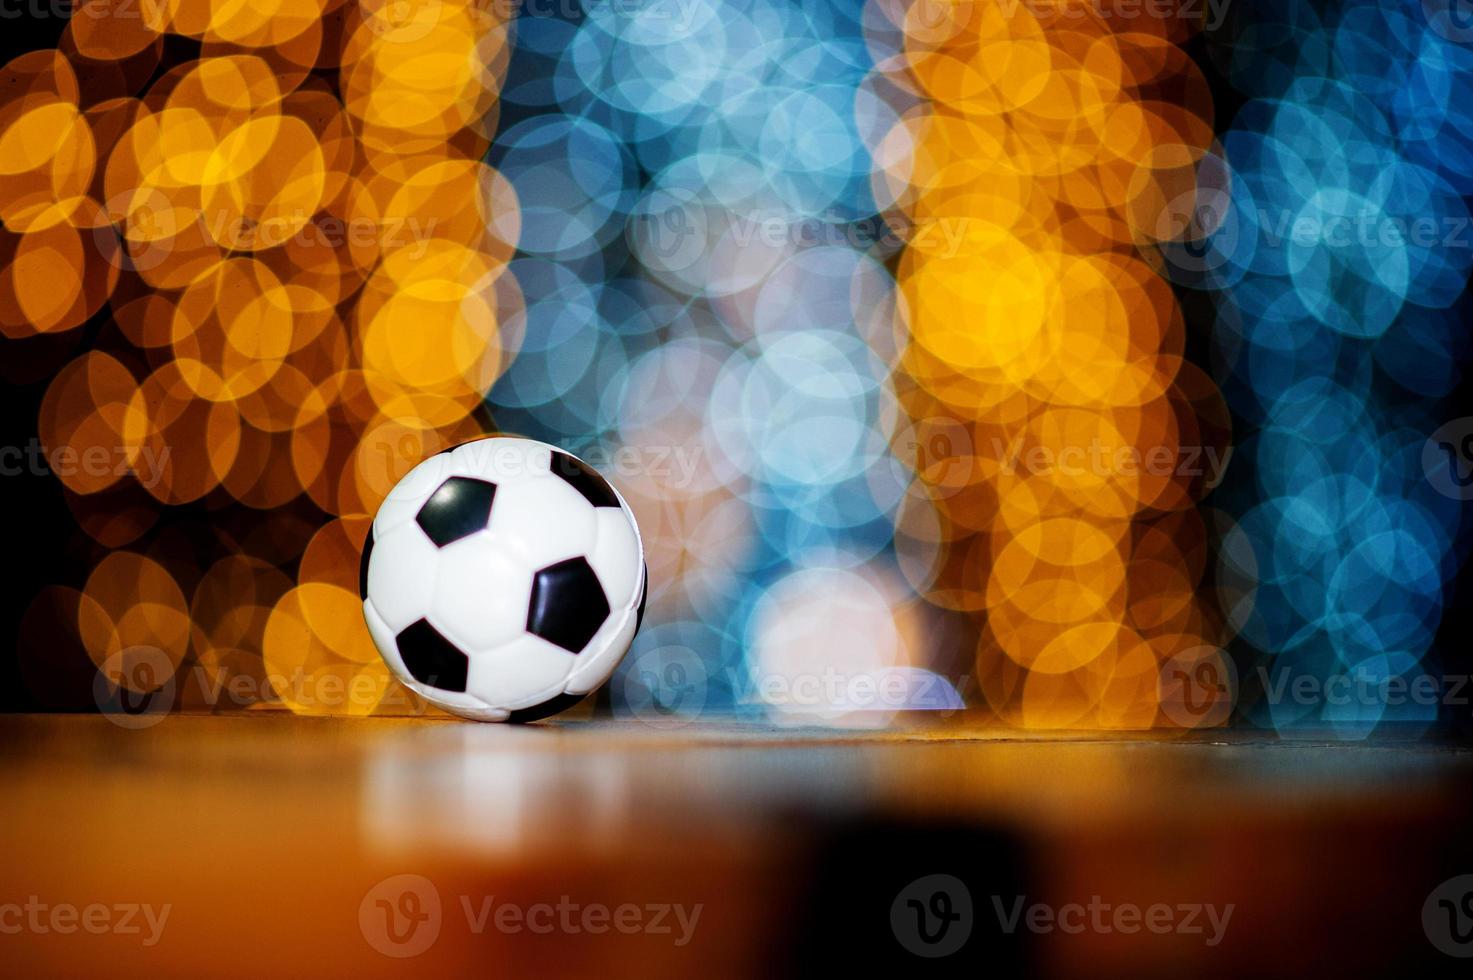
(45, 533)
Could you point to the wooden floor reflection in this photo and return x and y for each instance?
(270, 838)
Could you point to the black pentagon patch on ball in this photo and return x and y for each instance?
(363, 565)
(460, 508)
(644, 597)
(431, 659)
(546, 709)
(568, 604)
(585, 479)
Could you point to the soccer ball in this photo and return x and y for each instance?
(503, 580)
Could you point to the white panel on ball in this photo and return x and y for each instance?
(481, 594)
(401, 576)
(615, 556)
(520, 674)
(542, 521)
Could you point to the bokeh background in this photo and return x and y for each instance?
(1081, 364)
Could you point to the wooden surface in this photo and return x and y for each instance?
(266, 835)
